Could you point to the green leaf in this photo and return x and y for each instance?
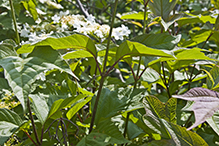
(165, 111)
(158, 41)
(77, 106)
(9, 123)
(162, 7)
(155, 110)
(75, 41)
(112, 103)
(7, 49)
(55, 113)
(40, 107)
(137, 16)
(205, 103)
(106, 133)
(77, 54)
(182, 137)
(215, 3)
(192, 54)
(213, 78)
(21, 73)
(31, 7)
(197, 38)
(128, 49)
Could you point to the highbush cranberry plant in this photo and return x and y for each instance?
(135, 72)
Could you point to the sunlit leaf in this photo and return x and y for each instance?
(75, 41)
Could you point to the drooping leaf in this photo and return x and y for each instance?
(55, 112)
(106, 133)
(40, 107)
(77, 106)
(155, 110)
(9, 123)
(128, 49)
(182, 137)
(21, 73)
(162, 7)
(75, 41)
(206, 103)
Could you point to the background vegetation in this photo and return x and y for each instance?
(97, 72)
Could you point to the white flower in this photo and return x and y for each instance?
(119, 32)
(99, 33)
(56, 18)
(61, 14)
(40, 12)
(25, 32)
(90, 19)
(38, 21)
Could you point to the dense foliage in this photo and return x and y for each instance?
(97, 72)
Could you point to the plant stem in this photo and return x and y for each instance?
(30, 138)
(164, 80)
(104, 68)
(137, 77)
(14, 21)
(110, 35)
(145, 13)
(207, 39)
(32, 121)
(187, 122)
(96, 104)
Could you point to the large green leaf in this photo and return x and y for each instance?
(162, 7)
(128, 49)
(21, 73)
(158, 41)
(40, 107)
(75, 41)
(205, 103)
(106, 133)
(9, 123)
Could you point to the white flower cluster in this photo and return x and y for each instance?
(78, 23)
(89, 26)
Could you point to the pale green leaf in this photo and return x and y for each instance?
(9, 123)
(75, 41)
